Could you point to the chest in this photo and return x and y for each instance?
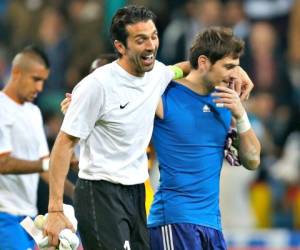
(197, 120)
(129, 110)
(25, 130)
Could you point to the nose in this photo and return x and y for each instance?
(150, 45)
(39, 86)
(232, 75)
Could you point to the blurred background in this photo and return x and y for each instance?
(261, 210)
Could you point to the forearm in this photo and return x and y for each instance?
(68, 186)
(249, 149)
(59, 167)
(69, 189)
(11, 165)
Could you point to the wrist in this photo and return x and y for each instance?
(55, 211)
(243, 123)
(45, 164)
(178, 73)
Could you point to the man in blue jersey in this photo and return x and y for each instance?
(193, 119)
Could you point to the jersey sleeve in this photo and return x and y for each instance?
(85, 108)
(6, 124)
(166, 73)
(43, 145)
(5, 138)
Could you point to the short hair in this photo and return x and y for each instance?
(37, 52)
(215, 43)
(130, 14)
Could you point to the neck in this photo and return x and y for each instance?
(127, 65)
(196, 82)
(11, 91)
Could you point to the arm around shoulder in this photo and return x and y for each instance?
(185, 66)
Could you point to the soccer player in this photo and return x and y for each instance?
(190, 130)
(111, 112)
(23, 147)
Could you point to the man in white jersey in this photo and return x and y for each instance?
(112, 114)
(23, 147)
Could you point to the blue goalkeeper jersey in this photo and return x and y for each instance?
(189, 143)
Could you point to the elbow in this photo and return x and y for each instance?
(251, 163)
(251, 158)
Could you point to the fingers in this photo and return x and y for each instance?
(225, 97)
(243, 84)
(64, 105)
(225, 102)
(53, 239)
(237, 86)
(247, 84)
(228, 98)
(70, 226)
(246, 92)
(221, 89)
(55, 223)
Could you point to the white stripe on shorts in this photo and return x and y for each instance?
(167, 237)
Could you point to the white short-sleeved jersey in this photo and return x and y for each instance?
(112, 112)
(22, 135)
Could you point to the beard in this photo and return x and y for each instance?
(143, 63)
(208, 83)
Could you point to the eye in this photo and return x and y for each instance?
(140, 40)
(229, 67)
(155, 37)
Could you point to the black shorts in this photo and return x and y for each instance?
(111, 216)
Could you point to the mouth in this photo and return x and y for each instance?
(148, 59)
(33, 96)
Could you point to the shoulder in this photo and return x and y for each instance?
(101, 78)
(32, 108)
(6, 109)
(105, 72)
(89, 84)
(173, 85)
(160, 66)
(3, 98)
(162, 71)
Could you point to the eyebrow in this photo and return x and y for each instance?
(144, 35)
(231, 65)
(37, 78)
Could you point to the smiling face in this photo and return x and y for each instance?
(138, 55)
(221, 72)
(30, 81)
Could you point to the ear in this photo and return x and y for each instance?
(120, 47)
(16, 73)
(203, 62)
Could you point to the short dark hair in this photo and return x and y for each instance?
(130, 14)
(38, 52)
(215, 43)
